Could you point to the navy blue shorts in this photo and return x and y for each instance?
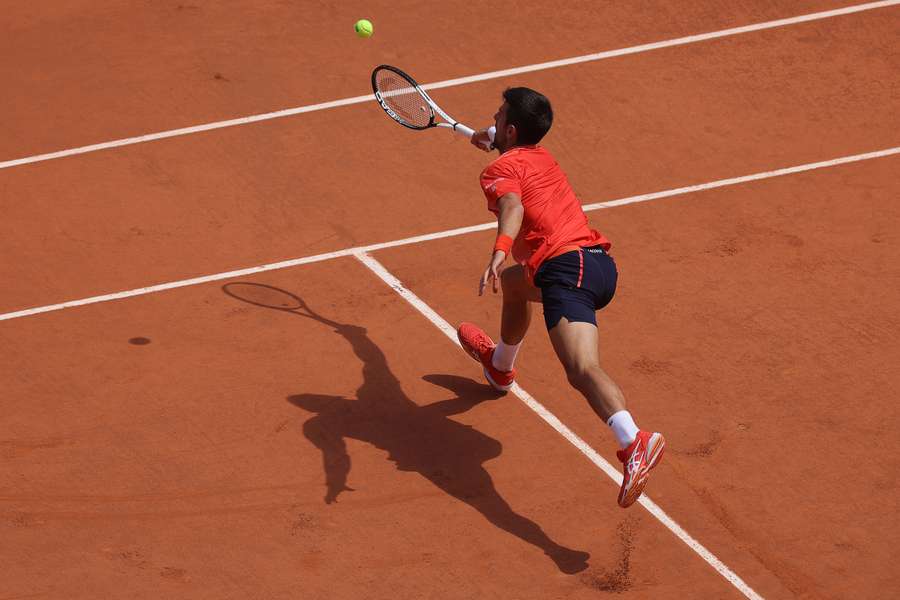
(576, 284)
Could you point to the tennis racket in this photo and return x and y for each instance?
(406, 102)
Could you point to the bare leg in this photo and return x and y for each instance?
(518, 293)
(576, 345)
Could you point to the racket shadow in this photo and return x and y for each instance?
(422, 439)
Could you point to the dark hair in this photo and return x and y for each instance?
(530, 112)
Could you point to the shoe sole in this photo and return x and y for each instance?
(655, 449)
(494, 384)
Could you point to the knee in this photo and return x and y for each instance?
(579, 376)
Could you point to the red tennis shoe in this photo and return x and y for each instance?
(642, 455)
(480, 346)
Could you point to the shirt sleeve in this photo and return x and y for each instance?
(498, 179)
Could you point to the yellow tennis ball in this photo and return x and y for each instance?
(364, 28)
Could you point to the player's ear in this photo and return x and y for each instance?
(511, 134)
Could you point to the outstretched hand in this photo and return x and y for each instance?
(491, 274)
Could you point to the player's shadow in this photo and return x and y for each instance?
(423, 439)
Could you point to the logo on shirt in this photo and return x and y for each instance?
(492, 188)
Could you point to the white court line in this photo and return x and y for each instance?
(438, 235)
(564, 431)
(690, 39)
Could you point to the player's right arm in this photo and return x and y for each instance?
(484, 139)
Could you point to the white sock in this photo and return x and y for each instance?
(623, 428)
(505, 356)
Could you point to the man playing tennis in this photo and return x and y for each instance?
(561, 263)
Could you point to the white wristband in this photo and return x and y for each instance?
(492, 131)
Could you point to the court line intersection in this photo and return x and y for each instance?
(569, 435)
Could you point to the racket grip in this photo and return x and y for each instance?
(491, 131)
(461, 129)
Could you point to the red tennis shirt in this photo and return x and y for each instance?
(554, 222)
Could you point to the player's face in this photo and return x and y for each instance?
(505, 136)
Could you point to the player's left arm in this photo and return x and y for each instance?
(509, 222)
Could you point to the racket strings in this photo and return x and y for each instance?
(402, 98)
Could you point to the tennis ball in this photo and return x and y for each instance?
(364, 28)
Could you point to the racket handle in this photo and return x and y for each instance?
(468, 132)
(461, 129)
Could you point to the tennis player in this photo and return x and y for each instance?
(561, 263)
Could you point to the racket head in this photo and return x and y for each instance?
(402, 98)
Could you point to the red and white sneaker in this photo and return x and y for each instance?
(480, 346)
(642, 455)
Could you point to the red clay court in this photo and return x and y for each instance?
(226, 330)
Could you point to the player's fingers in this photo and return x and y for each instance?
(490, 275)
(481, 140)
(495, 280)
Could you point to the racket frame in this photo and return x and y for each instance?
(450, 122)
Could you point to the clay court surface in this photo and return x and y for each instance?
(306, 432)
